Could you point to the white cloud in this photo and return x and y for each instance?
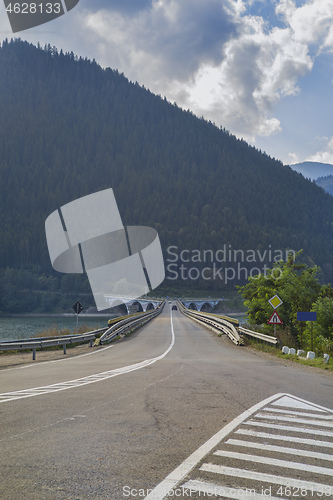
(214, 57)
(325, 155)
(311, 23)
(293, 158)
(259, 68)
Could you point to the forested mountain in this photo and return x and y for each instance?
(69, 128)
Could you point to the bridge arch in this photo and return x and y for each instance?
(206, 307)
(139, 306)
(120, 304)
(193, 306)
(150, 306)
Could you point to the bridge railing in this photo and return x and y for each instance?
(222, 325)
(258, 336)
(43, 342)
(124, 326)
(228, 326)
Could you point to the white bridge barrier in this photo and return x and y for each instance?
(259, 336)
(129, 324)
(225, 325)
(215, 322)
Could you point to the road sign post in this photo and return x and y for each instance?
(275, 319)
(77, 308)
(307, 316)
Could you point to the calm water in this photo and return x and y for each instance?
(23, 328)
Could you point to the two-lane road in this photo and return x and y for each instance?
(115, 423)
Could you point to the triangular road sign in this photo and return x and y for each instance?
(275, 319)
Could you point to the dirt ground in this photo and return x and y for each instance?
(13, 359)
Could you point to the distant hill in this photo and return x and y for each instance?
(69, 128)
(312, 170)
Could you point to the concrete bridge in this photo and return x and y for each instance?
(140, 305)
(134, 305)
(200, 304)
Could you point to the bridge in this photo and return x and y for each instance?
(141, 305)
(200, 304)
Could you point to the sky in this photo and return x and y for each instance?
(261, 69)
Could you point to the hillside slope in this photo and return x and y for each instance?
(69, 128)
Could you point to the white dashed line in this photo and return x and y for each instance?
(98, 377)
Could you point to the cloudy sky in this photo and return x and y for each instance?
(261, 69)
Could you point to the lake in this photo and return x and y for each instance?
(25, 327)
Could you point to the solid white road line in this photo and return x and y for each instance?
(211, 489)
(265, 478)
(276, 462)
(281, 449)
(281, 437)
(98, 377)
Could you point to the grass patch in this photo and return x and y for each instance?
(54, 332)
(317, 362)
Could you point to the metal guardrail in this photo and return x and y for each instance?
(109, 334)
(131, 323)
(40, 339)
(40, 343)
(257, 335)
(226, 327)
(214, 321)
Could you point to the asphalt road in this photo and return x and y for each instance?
(121, 419)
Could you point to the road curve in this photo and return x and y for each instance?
(119, 436)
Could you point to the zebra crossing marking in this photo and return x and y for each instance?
(237, 467)
(280, 449)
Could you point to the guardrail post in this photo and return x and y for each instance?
(91, 342)
(64, 346)
(33, 354)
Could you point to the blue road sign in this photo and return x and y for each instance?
(306, 316)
